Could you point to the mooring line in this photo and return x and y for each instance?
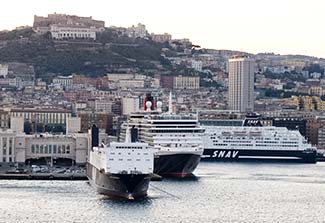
(170, 194)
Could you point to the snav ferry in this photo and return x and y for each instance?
(121, 169)
(256, 142)
(176, 139)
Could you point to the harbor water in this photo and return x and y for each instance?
(222, 192)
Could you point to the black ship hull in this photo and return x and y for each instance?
(176, 165)
(127, 186)
(238, 155)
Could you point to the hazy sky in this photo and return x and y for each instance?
(280, 26)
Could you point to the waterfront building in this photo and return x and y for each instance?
(320, 132)
(241, 84)
(292, 123)
(72, 147)
(42, 115)
(4, 119)
(7, 148)
(73, 125)
(18, 147)
(17, 124)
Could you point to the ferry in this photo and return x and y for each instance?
(252, 141)
(121, 169)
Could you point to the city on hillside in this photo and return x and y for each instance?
(66, 73)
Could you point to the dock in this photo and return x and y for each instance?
(42, 176)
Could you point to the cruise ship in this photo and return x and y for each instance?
(121, 169)
(253, 141)
(176, 139)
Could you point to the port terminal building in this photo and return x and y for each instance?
(19, 147)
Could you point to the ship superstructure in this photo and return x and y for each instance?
(176, 139)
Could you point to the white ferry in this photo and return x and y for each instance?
(248, 142)
(121, 169)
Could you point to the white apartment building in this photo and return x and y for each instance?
(241, 84)
(130, 105)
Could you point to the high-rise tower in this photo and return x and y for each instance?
(241, 84)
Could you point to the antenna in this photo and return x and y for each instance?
(127, 135)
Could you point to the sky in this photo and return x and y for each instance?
(279, 26)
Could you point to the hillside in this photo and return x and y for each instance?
(109, 53)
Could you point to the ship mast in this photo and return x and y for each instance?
(170, 104)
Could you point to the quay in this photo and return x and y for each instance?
(41, 176)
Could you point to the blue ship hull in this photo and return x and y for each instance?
(239, 155)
